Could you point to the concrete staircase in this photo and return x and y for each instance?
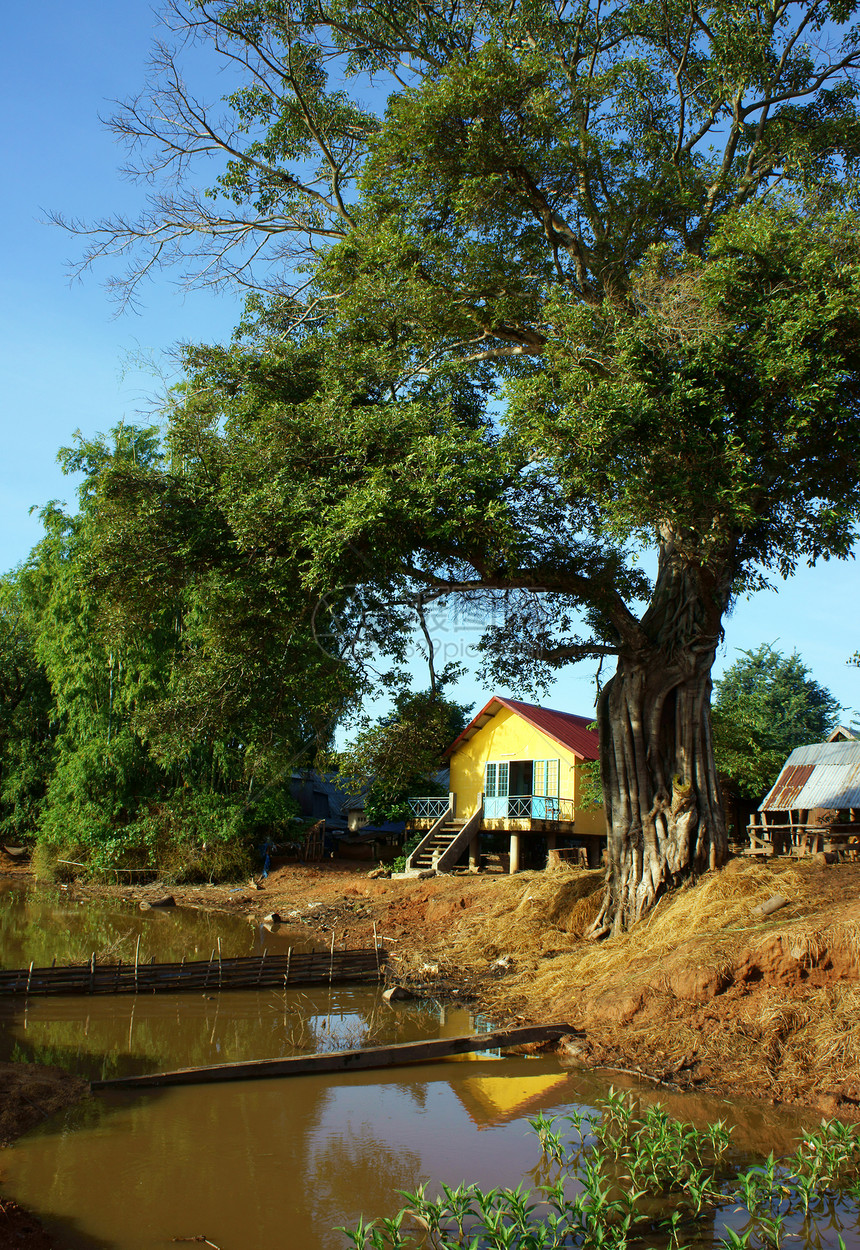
(428, 854)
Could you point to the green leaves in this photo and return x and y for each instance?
(397, 756)
(766, 704)
(637, 1175)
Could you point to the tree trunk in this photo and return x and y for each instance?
(661, 793)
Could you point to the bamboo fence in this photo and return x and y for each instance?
(253, 972)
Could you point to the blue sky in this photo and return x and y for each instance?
(68, 360)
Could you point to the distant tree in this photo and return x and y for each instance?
(765, 705)
(396, 756)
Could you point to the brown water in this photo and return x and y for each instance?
(275, 1163)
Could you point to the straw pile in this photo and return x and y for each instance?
(701, 984)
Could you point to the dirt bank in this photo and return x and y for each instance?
(704, 993)
(29, 1093)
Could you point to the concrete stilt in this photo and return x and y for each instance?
(515, 853)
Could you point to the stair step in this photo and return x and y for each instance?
(438, 846)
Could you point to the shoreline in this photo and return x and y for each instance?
(703, 998)
(720, 1002)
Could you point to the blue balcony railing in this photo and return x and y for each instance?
(429, 807)
(528, 807)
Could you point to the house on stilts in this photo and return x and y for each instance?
(516, 772)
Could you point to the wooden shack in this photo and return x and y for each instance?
(814, 804)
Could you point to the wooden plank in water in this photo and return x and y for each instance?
(345, 1060)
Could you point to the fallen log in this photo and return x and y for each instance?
(344, 1060)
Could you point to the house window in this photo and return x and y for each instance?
(546, 778)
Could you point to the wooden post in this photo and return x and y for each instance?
(136, 961)
(514, 865)
(475, 851)
(475, 840)
(767, 836)
(802, 830)
(452, 803)
(551, 844)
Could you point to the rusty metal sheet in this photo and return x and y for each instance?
(823, 774)
(788, 787)
(831, 785)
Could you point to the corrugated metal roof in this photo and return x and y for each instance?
(563, 727)
(791, 781)
(824, 774)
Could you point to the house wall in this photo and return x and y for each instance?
(508, 737)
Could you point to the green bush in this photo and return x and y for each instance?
(186, 836)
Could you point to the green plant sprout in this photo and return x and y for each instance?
(633, 1176)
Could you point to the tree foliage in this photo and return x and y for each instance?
(157, 725)
(765, 705)
(585, 282)
(398, 755)
(27, 725)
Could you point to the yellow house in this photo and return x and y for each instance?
(516, 768)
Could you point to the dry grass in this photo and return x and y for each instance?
(786, 1039)
(537, 914)
(529, 916)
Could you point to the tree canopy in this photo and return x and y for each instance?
(161, 735)
(533, 288)
(397, 755)
(765, 705)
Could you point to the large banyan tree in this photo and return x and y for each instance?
(575, 281)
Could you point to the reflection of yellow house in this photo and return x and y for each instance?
(496, 1091)
(492, 1100)
(516, 768)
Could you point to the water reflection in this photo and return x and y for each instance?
(110, 1036)
(46, 924)
(278, 1163)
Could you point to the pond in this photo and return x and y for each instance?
(275, 1163)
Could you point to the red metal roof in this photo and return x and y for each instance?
(563, 727)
